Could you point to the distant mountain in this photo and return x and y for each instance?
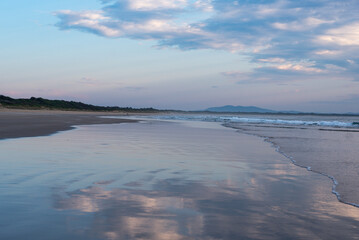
(246, 109)
(42, 103)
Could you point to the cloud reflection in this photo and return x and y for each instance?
(134, 214)
(180, 209)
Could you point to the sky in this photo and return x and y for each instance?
(183, 54)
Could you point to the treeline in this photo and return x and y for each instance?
(41, 103)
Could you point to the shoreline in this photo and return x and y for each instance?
(305, 160)
(277, 148)
(34, 123)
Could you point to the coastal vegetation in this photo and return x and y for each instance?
(42, 103)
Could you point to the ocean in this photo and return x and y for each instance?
(183, 177)
(324, 120)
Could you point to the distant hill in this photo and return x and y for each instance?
(41, 103)
(246, 109)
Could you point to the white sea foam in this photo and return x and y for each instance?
(229, 119)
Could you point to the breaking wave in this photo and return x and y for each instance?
(229, 119)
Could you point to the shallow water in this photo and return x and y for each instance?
(330, 151)
(162, 180)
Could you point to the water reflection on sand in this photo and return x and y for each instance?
(160, 180)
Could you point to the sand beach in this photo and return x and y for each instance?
(29, 123)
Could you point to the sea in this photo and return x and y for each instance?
(185, 176)
(321, 120)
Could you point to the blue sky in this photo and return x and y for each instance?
(184, 54)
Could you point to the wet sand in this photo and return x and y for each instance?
(162, 180)
(333, 152)
(30, 123)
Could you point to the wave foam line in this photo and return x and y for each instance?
(259, 120)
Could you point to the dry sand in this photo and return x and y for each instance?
(30, 123)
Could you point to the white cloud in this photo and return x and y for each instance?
(305, 24)
(327, 52)
(335, 68)
(153, 25)
(149, 5)
(300, 67)
(245, 27)
(89, 20)
(271, 9)
(344, 36)
(314, 22)
(154, 28)
(204, 5)
(91, 15)
(287, 65)
(272, 60)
